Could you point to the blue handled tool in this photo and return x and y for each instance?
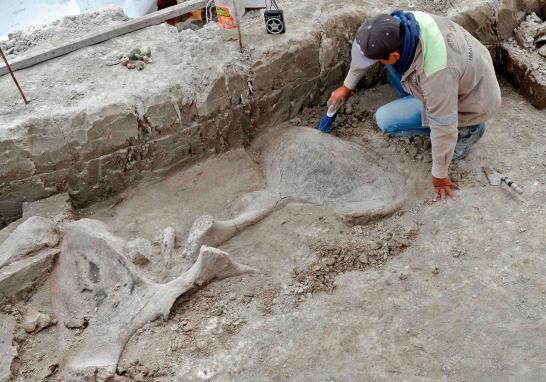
(328, 119)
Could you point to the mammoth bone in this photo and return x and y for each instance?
(306, 166)
(94, 282)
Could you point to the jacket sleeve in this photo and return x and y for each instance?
(353, 77)
(440, 92)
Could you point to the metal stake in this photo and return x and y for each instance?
(13, 76)
(238, 25)
(240, 39)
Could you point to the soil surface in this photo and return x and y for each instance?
(40, 37)
(437, 292)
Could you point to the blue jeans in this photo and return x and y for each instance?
(403, 116)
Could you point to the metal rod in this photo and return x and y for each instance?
(240, 38)
(13, 76)
(237, 18)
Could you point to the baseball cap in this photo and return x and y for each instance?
(376, 39)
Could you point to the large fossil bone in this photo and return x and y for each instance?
(95, 280)
(307, 166)
(208, 231)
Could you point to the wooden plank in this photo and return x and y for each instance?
(106, 34)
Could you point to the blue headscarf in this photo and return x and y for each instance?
(410, 33)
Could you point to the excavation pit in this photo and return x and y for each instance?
(183, 161)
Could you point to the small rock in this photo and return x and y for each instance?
(435, 270)
(34, 321)
(402, 241)
(124, 61)
(147, 51)
(387, 236)
(77, 323)
(330, 261)
(135, 52)
(147, 59)
(140, 65)
(364, 259)
(130, 65)
(457, 252)
(413, 151)
(140, 259)
(52, 369)
(403, 276)
(376, 244)
(139, 251)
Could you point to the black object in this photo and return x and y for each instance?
(274, 21)
(380, 36)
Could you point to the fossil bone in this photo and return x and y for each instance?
(166, 242)
(35, 321)
(31, 236)
(307, 166)
(94, 279)
(208, 231)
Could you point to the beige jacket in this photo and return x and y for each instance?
(452, 74)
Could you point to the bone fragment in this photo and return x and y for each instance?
(94, 277)
(166, 243)
(35, 321)
(208, 231)
(29, 237)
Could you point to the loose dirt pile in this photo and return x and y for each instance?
(369, 247)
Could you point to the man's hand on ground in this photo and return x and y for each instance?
(443, 186)
(339, 97)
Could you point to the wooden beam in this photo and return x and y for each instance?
(106, 34)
